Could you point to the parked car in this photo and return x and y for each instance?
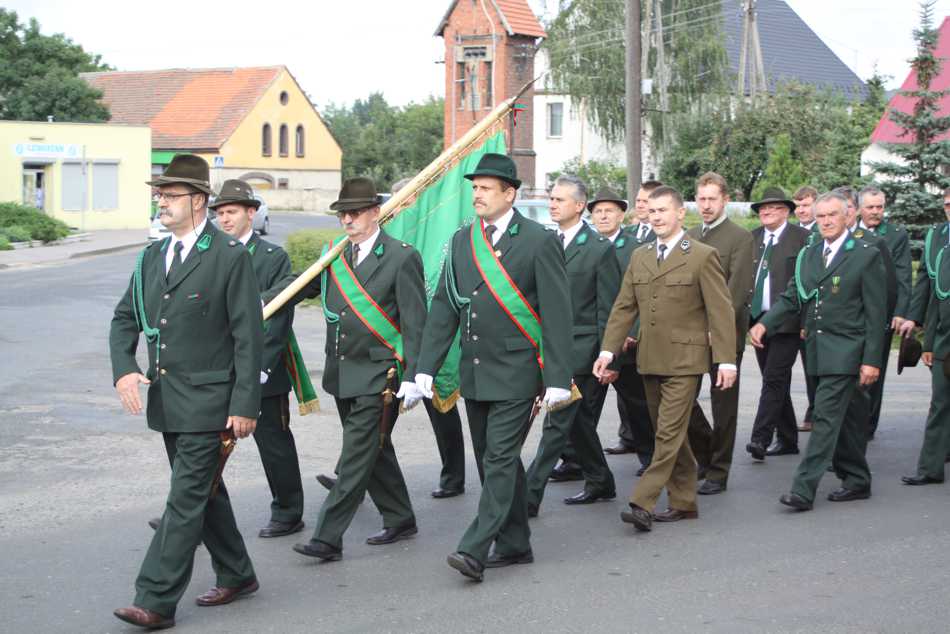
(536, 209)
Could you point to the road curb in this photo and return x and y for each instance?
(121, 247)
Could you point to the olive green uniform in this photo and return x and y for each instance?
(204, 366)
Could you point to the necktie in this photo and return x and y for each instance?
(827, 255)
(642, 232)
(489, 233)
(660, 254)
(561, 236)
(761, 276)
(704, 231)
(176, 260)
(355, 255)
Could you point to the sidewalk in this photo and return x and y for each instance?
(95, 243)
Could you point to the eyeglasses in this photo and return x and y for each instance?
(351, 212)
(169, 197)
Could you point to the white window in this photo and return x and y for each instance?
(555, 119)
(105, 186)
(74, 187)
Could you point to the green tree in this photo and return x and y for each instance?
(911, 184)
(386, 142)
(39, 75)
(597, 174)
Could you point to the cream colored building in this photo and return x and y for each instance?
(89, 175)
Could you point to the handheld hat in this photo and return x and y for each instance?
(188, 169)
(773, 195)
(909, 353)
(358, 193)
(607, 195)
(497, 166)
(235, 192)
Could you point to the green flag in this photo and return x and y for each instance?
(428, 225)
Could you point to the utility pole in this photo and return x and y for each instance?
(750, 55)
(634, 134)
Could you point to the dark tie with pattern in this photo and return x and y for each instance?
(354, 253)
(660, 254)
(176, 260)
(489, 233)
(702, 234)
(643, 232)
(827, 257)
(759, 295)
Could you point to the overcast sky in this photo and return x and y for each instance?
(341, 51)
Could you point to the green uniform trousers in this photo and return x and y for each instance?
(811, 382)
(447, 428)
(364, 467)
(839, 436)
(933, 452)
(713, 445)
(275, 442)
(498, 430)
(191, 517)
(577, 422)
(876, 391)
(670, 399)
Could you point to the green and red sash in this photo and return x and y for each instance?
(504, 290)
(376, 320)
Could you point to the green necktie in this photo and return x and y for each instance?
(760, 278)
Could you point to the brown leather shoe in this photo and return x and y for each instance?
(223, 596)
(675, 515)
(618, 449)
(805, 425)
(144, 618)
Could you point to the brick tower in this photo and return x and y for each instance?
(489, 56)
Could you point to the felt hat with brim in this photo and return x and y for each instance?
(909, 353)
(358, 193)
(606, 195)
(497, 166)
(187, 169)
(773, 195)
(235, 192)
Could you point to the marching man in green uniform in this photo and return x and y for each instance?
(636, 431)
(933, 278)
(235, 207)
(594, 277)
(677, 287)
(837, 283)
(195, 297)
(375, 307)
(504, 283)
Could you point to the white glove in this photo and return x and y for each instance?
(424, 383)
(555, 395)
(410, 395)
(264, 377)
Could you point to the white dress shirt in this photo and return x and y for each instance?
(766, 290)
(246, 237)
(616, 235)
(715, 223)
(570, 233)
(500, 225)
(365, 247)
(643, 229)
(187, 242)
(834, 246)
(670, 244)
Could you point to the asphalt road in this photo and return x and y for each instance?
(79, 479)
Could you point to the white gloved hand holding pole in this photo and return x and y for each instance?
(553, 396)
(424, 383)
(410, 395)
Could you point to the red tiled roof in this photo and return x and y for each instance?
(516, 16)
(187, 109)
(889, 132)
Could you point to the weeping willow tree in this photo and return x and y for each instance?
(684, 55)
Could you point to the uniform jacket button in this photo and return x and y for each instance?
(474, 337)
(162, 371)
(163, 321)
(476, 361)
(167, 296)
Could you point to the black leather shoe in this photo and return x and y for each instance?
(326, 481)
(918, 480)
(711, 487)
(280, 529)
(618, 449)
(441, 493)
(589, 497)
(321, 550)
(642, 470)
(532, 510)
(566, 472)
(846, 495)
(795, 501)
(756, 450)
(778, 449)
(467, 565)
(641, 519)
(390, 535)
(500, 561)
(154, 522)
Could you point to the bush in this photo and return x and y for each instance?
(5, 244)
(17, 233)
(40, 226)
(304, 246)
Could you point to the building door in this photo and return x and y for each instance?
(34, 186)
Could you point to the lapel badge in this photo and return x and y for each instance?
(581, 239)
(497, 253)
(620, 242)
(513, 229)
(849, 244)
(859, 233)
(684, 245)
(835, 284)
(205, 243)
(378, 251)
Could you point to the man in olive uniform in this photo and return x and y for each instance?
(713, 445)
(777, 245)
(374, 303)
(931, 304)
(678, 288)
(594, 277)
(636, 431)
(505, 283)
(235, 207)
(837, 284)
(871, 209)
(195, 297)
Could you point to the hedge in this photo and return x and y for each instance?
(304, 246)
(5, 244)
(39, 225)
